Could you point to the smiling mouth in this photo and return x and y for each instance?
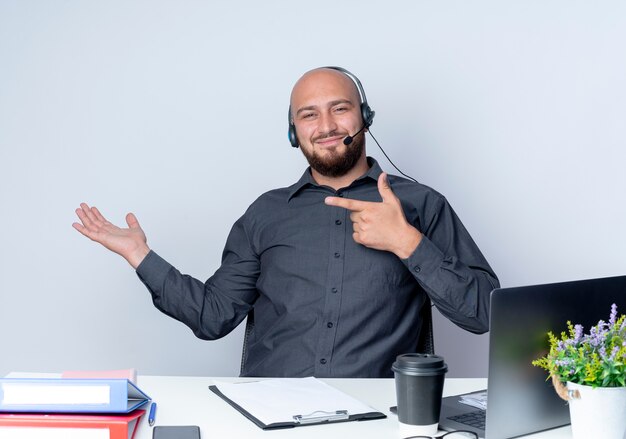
(330, 141)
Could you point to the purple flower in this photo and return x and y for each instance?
(598, 354)
(602, 352)
(613, 317)
(596, 335)
(578, 333)
(563, 363)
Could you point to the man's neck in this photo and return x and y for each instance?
(345, 180)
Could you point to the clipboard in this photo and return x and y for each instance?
(293, 402)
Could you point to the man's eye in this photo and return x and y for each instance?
(341, 109)
(308, 115)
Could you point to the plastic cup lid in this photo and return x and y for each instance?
(419, 365)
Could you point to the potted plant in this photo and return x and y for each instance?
(589, 371)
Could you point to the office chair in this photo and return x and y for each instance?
(249, 327)
(425, 340)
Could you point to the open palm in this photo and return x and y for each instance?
(131, 242)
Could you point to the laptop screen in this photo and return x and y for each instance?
(520, 399)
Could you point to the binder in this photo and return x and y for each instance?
(129, 374)
(64, 426)
(69, 395)
(293, 402)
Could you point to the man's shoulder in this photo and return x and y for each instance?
(409, 189)
(273, 198)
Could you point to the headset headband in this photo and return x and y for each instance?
(366, 112)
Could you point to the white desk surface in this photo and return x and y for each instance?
(188, 401)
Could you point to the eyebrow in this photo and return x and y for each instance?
(330, 104)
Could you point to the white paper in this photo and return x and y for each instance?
(37, 394)
(53, 433)
(280, 399)
(477, 399)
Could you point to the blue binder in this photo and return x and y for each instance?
(70, 395)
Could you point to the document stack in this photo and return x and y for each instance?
(70, 408)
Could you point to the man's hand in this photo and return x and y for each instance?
(129, 243)
(381, 226)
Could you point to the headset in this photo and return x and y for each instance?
(366, 112)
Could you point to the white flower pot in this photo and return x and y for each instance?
(597, 413)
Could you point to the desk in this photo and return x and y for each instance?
(188, 401)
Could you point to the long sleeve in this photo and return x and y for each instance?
(323, 304)
(214, 308)
(452, 270)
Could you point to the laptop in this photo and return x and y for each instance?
(520, 400)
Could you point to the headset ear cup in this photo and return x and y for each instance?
(291, 134)
(293, 139)
(367, 114)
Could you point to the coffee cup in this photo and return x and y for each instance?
(419, 387)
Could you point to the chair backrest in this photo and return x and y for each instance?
(425, 341)
(249, 327)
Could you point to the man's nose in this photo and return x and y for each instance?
(327, 123)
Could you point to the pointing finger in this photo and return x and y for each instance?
(346, 203)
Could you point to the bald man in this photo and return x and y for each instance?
(334, 270)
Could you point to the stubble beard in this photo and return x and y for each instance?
(335, 164)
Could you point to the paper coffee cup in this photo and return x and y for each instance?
(419, 382)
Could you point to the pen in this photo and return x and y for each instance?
(152, 414)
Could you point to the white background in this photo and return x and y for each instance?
(176, 111)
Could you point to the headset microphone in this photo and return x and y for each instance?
(349, 139)
(367, 114)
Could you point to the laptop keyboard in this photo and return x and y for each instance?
(474, 419)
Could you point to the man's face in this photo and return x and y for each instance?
(325, 107)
